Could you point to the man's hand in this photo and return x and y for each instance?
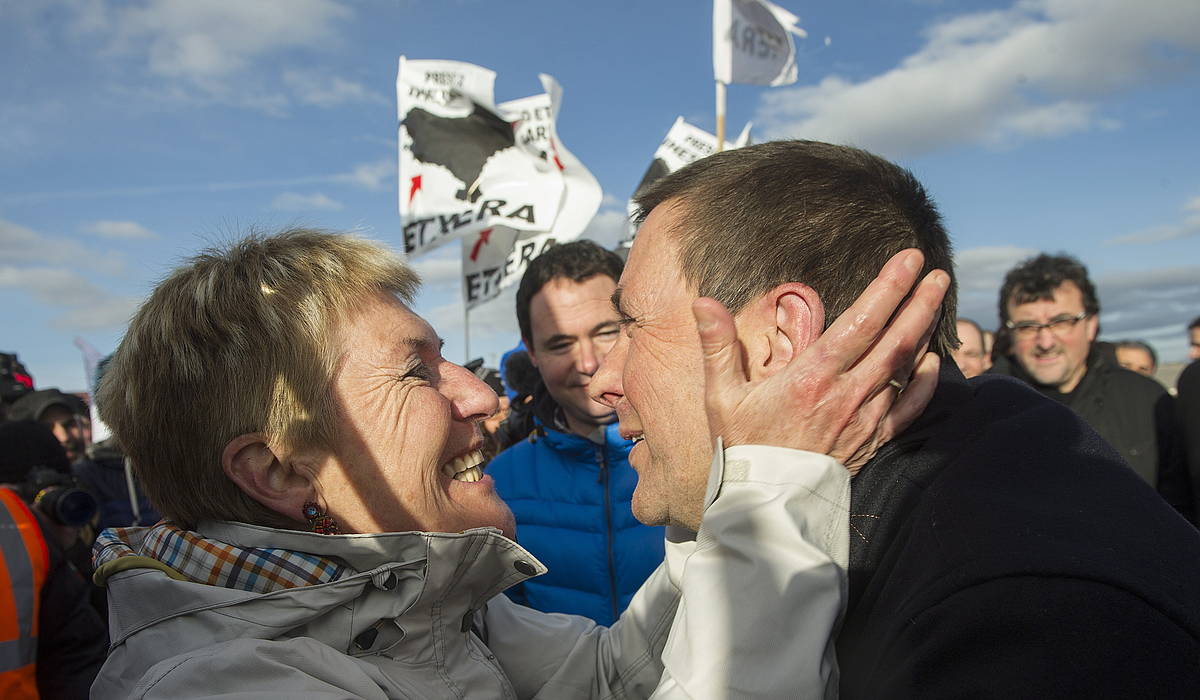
(858, 386)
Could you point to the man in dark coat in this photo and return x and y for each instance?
(998, 546)
(1049, 307)
(1001, 548)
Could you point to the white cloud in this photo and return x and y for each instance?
(86, 306)
(294, 201)
(1034, 70)
(210, 51)
(979, 273)
(328, 90)
(372, 176)
(120, 230)
(22, 245)
(216, 38)
(442, 270)
(608, 227)
(1188, 227)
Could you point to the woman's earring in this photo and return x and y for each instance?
(319, 521)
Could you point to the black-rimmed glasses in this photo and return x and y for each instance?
(1056, 325)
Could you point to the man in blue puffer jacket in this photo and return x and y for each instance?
(569, 484)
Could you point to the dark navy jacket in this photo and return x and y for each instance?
(1000, 548)
(571, 499)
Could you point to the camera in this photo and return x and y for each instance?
(58, 497)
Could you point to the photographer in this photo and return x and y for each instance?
(60, 640)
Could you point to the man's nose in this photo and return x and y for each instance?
(587, 360)
(605, 386)
(1045, 338)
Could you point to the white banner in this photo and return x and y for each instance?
(752, 42)
(462, 166)
(496, 258)
(683, 144)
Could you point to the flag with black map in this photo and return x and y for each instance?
(496, 257)
(683, 144)
(464, 164)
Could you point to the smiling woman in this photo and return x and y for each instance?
(278, 392)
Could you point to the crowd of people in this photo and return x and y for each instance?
(761, 456)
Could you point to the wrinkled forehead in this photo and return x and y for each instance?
(385, 325)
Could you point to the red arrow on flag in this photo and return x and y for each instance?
(484, 235)
(556, 160)
(416, 185)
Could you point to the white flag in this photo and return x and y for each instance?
(752, 42)
(683, 144)
(496, 257)
(462, 167)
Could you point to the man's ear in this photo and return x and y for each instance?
(778, 326)
(529, 351)
(267, 477)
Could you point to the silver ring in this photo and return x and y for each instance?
(895, 385)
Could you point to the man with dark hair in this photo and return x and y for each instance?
(1137, 356)
(569, 484)
(998, 546)
(1050, 308)
(66, 414)
(969, 355)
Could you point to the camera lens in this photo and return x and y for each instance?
(67, 505)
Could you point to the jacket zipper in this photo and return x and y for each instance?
(608, 530)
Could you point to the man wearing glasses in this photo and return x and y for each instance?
(1050, 310)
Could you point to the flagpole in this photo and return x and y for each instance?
(467, 332)
(720, 116)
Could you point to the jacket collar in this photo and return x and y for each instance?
(398, 586)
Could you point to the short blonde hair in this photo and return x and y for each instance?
(238, 340)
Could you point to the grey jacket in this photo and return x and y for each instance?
(423, 618)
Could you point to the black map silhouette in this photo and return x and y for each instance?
(460, 144)
(656, 170)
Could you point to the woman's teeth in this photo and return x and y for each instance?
(465, 468)
(637, 438)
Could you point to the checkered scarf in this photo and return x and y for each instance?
(216, 563)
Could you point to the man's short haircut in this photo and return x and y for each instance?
(1133, 344)
(1194, 324)
(826, 216)
(1036, 278)
(577, 261)
(240, 339)
(976, 326)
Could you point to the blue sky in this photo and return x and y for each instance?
(133, 134)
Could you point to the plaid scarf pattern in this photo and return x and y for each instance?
(216, 563)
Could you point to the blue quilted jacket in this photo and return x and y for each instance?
(571, 498)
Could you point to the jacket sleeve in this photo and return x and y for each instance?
(766, 585)
(758, 594)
